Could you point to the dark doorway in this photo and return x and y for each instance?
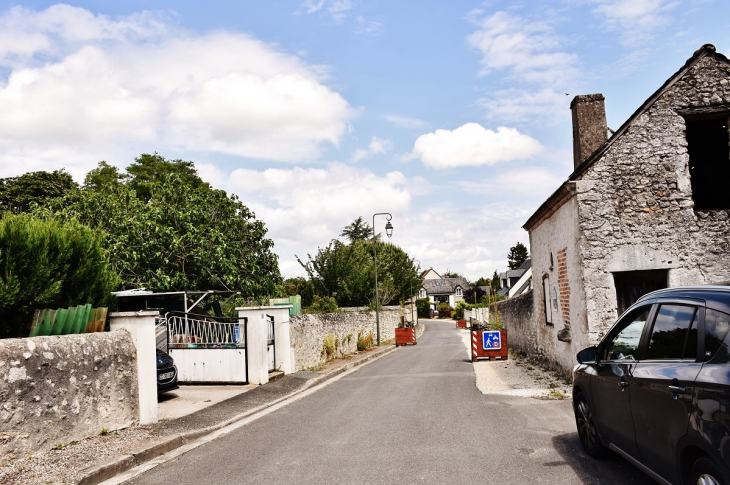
(632, 285)
(709, 161)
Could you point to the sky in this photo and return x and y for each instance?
(453, 116)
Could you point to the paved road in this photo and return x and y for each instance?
(414, 416)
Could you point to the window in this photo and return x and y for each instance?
(546, 300)
(709, 161)
(674, 335)
(422, 293)
(458, 291)
(625, 344)
(632, 285)
(717, 325)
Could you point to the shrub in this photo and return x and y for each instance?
(323, 304)
(444, 310)
(49, 264)
(423, 308)
(329, 346)
(364, 342)
(460, 310)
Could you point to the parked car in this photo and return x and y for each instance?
(166, 372)
(656, 389)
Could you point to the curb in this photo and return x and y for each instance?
(111, 468)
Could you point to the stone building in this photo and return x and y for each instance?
(644, 209)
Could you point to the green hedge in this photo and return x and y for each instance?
(49, 264)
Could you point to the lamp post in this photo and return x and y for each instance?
(418, 267)
(389, 232)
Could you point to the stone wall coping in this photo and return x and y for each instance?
(266, 307)
(141, 313)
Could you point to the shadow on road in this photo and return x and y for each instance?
(610, 470)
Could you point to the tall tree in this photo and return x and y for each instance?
(517, 255)
(20, 194)
(496, 284)
(148, 171)
(104, 177)
(451, 274)
(358, 230)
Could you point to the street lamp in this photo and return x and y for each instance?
(389, 232)
(418, 267)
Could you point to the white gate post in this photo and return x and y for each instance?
(257, 332)
(141, 327)
(282, 338)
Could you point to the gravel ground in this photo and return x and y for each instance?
(62, 466)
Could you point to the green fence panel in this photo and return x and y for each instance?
(46, 322)
(70, 321)
(61, 315)
(35, 326)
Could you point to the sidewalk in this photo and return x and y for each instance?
(102, 457)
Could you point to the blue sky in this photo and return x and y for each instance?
(453, 116)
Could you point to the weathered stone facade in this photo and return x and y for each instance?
(629, 207)
(516, 315)
(309, 331)
(60, 389)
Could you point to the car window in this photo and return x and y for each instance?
(669, 335)
(717, 325)
(625, 344)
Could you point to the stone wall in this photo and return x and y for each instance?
(60, 389)
(636, 210)
(515, 314)
(309, 331)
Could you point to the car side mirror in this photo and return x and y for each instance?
(588, 356)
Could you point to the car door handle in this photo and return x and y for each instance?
(677, 390)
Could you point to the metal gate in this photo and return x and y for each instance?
(270, 347)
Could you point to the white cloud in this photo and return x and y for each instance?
(364, 26)
(337, 9)
(376, 146)
(636, 20)
(472, 145)
(538, 66)
(90, 87)
(534, 184)
(406, 122)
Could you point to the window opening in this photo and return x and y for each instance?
(674, 335)
(717, 325)
(709, 161)
(546, 301)
(632, 285)
(458, 291)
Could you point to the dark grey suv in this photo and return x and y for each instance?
(656, 390)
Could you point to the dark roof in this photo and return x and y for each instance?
(526, 265)
(563, 192)
(444, 285)
(503, 291)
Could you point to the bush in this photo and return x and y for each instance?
(460, 310)
(49, 264)
(364, 343)
(444, 310)
(323, 304)
(423, 308)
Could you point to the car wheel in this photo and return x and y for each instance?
(587, 431)
(705, 472)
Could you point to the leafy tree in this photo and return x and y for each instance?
(323, 304)
(423, 308)
(347, 273)
(104, 177)
(517, 255)
(496, 284)
(451, 274)
(358, 230)
(19, 194)
(182, 238)
(149, 171)
(474, 295)
(49, 264)
(302, 287)
(483, 282)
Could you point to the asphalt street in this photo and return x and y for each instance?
(413, 416)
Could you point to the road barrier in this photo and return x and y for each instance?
(489, 345)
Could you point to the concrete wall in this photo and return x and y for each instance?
(635, 203)
(516, 315)
(309, 331)
(560, 237)
(65, 388)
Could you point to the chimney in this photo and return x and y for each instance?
(589, 126)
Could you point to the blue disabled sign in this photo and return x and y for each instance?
(491, 340)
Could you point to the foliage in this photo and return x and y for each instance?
(20, 194)
(323, 304)
(148, 172)
(104, 177)
(329, 347)
(302, 287)
(444, 310)
(474, 295)
(347, 272)
(358, 230)
(423, 307)
(483, 282)
(49, 264)
(460, 310)
(517, 255)
(364, 342)
(182, 238)
(495, 281)
(451, 274)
